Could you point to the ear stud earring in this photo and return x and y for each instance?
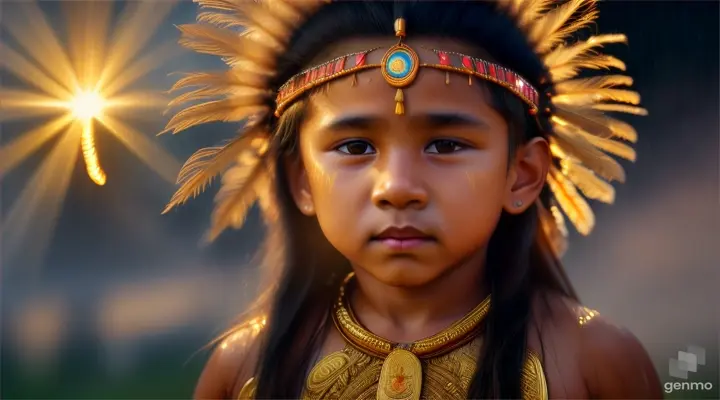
(518, 203)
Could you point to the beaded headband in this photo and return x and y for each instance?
(400, 66)
(575, 108)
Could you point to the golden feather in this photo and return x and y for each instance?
(262, 18)
(566, 54)
(559, 37)
(590, 96)
(263, 189)
(236, 196)
(287, 11)
(225, 5)
(614, 147)
(198, 94)
(226, 44)
(572, 68)
(252, 53)
(594, 83)
(553, 224)
(560, 244)
(554, 26)
(576, 147)
(573, 205)
(594, 123)
(623, 108)
(591, 186)
(306, 7)
(221, 20)
(559, 220)
(203, 166)
(621, 129)
(214, 91)
(556, 151)
(578, 119)
(223, 79)
(227, 110)
(525, 12)
(532, 10)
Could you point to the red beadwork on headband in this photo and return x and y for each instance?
(447, 61)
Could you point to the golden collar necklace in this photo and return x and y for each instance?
(402, 360)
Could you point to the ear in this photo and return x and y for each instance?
(299, 184)
(527, 175)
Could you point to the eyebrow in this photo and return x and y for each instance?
(452, 119)
(431, 119)
(353, 122)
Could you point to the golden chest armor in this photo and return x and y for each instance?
(352, 374)
(439, 367)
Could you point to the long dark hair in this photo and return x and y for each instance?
(306, 269)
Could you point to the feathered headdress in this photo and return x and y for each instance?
(582, 137)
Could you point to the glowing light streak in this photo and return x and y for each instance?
(92, 164)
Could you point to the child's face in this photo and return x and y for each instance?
(407, 197)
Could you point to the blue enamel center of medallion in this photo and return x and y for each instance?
(399, 64)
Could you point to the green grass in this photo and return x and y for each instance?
(166, 376)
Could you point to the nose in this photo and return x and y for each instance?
(399, 183)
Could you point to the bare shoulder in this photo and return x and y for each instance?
(589, 355)
(231, 363)
(615, 363)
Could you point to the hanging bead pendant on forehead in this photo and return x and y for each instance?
(400, 66)
(400, 63)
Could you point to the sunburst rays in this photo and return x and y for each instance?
(76, 85)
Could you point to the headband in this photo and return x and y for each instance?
(400, 65)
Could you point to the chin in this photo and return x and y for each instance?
(405, 273)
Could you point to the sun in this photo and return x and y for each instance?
(75, 84)
(87, 105)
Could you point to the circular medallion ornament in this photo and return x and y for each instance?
(400, 377)
(400, 66)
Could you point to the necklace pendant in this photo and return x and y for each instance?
(400, 377)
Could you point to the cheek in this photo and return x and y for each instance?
(471, 203)
(335, 198)
(320, 173)
(482, 186)
(321, 178)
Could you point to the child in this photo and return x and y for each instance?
(412, 160)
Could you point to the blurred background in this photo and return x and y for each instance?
(103, 297)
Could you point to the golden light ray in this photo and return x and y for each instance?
(27, 104)
(35, 212)
(82, 84)
(129, 40)
(153, 155)
(20, 148)
(41, 43)
(142, 66)
(25, 70)
(87, 27)
(151, 100)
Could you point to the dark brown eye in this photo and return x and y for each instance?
(444, 146)
(356, 148)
